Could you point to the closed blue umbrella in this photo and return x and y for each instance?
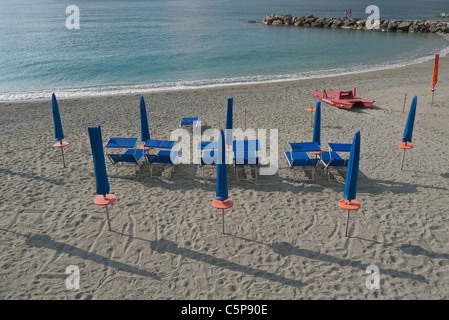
(353, 169)
(221, 200)
(348, 202)
(101, 176)
(56, 119)
(229, 122)
(317, 123)
(408, 131)
(144, 129)
(221, 193)
(58, 128)
(104, 198)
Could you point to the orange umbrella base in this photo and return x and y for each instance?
(431, 89)
(402, 145)
(311, 110)
(354, 205)
(228, 203)
(104, 201)
(61, 144)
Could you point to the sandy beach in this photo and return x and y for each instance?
(284, 238)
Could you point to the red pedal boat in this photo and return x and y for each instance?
(342, 99)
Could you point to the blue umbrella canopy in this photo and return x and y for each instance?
(353, 169)
(407, 137)
(229, 122)
(56, 119)
(144, 130)
(101, 176)
(317, 123)
(221, 193)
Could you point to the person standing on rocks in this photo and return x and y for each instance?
(350, 12)
(346, 13)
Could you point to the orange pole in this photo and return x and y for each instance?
(107, 215)
(433, 92)
(245, 119)
(405, 98)
(347, 222)
(63, 159)
(403, 156)
(222, 221)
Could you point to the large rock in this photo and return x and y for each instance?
(317, 23)
(392, 25)
(404, 26)
(337, 23)
(433, 28)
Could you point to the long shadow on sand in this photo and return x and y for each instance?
(286, 249)
(163, 246)
(418, 251)
(44, 241)
(30, 176)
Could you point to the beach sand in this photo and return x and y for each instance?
(284, 238)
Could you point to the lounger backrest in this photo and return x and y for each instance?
(130, 155)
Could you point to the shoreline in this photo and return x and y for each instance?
(222, 86)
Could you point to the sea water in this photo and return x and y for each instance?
(139, 46)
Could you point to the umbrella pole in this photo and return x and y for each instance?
(245, 119)
(311, 118)
(222, 221)
(107, 215)
(63, 159)
(403, 156)
(405, 98)
(433, 92)
(347, 222)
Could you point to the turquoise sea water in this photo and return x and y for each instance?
(139, 46)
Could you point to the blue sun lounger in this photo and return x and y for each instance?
(164, 158)
(208, 156)
(299, 157)
(189, 122)
(332, 158)
(245, 157)
(131, 156)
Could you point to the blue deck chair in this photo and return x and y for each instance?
(298, 156)
(208, 157)
(163, 158)
(131, 156)
(189, 122)
(333, 159)
(244, 159)
(303, 160)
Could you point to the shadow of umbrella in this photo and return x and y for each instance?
(44, 241)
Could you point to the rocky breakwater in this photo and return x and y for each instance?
(422, 26)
